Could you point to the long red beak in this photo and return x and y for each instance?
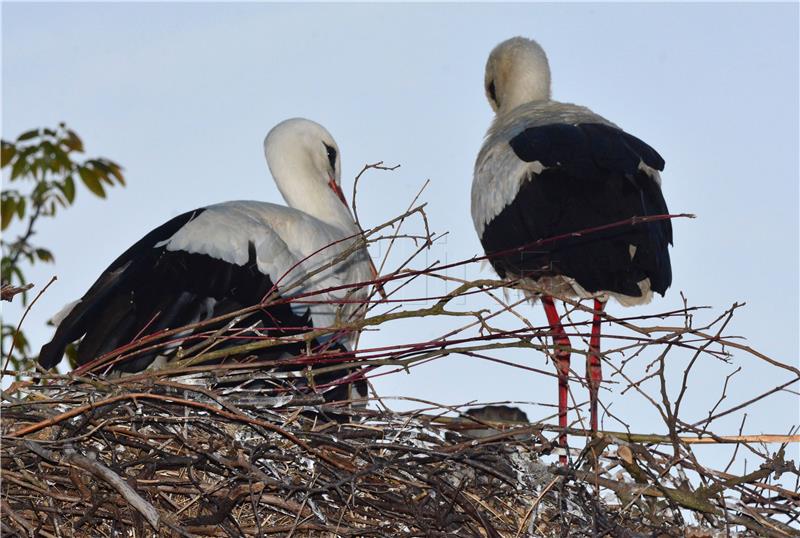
(338, 191)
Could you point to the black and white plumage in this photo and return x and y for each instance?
(548, 168)
(225, 257)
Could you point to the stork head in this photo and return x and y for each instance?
(517, 72)
(304, 161)
(303, 157)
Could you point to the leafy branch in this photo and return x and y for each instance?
(41, 169)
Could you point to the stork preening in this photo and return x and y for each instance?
(547, 169)
(225, 257)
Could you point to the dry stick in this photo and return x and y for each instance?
(534, 505)
(653, 438)
(19, 325)
(377, 288)
(450, 350)
(69, 456)
(519, 334)
(782, 491)
(435, 310)
(428, 241)
(104, 473)
(18, 519)
(401, 221)
(433, 343)
(377, 166)
(724, 395)
(8, 292)
(736, 449)
(706, 337)
(334, 367)
(180, 401)
(486, 289)
(753, 352)
(17, 479)
(745, 404)
(208, 342)
(726, 318)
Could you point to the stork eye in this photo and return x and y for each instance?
(492, 92)
(331, 155)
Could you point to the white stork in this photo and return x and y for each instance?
(225, 257)
(549, 168)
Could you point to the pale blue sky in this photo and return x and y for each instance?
(183, 94)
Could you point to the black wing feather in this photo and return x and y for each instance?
(149, 289)
(591, 178)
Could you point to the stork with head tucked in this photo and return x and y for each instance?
(548, 168)
(222, 258)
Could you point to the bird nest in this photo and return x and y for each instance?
(165, 455)
(191, 451)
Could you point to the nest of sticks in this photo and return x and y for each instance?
(166, 455)
(195, 450)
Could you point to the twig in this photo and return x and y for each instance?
(8, 292)
(19, 325)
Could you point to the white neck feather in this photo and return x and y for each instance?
(306, 189)
(523, 87)
(296, 158)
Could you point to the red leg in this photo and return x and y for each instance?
(594, 372)
(562, 366)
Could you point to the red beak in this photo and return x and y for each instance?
(337, 191)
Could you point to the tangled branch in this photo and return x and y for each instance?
(213, 446)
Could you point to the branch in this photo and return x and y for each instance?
(8, 292)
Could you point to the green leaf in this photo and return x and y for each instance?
(68, 188)
(39, 193)
(15, 271)
(44, 255)
(21, 208)
(27, 151)
(19, 167)
(38, 167)
(48, 159)
(102, 171)
(73, 141)
(27, 135)
(116, 171)
(91, 181)
(58, 197)
(62, 159)
(8, 152)
(7, 207)
(110, 167)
